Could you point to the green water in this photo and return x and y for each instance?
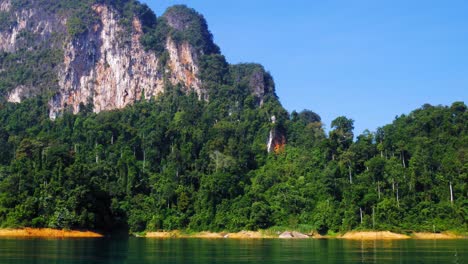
(140, 250)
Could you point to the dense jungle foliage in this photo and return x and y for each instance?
(179, 163)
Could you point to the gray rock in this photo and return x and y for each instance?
(293, 234)
(286, 234)
(299, 235)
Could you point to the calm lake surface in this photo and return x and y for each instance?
(140, 250)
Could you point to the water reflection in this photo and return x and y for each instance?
(141, 251)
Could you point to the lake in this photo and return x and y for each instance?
(140, 250)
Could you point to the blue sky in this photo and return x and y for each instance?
(367, 60)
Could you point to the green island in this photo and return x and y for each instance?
(237, 161)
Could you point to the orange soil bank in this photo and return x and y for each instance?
(47, 233)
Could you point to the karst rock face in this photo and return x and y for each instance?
(100, 68)
(105, 65)
(99, 54)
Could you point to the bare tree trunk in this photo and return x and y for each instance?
(403, 159)
(381, 152)
(97, 157)
(350, 175)
(360, 213)
(373, 217)
(397, 197)
(451, 193)
(378, 188)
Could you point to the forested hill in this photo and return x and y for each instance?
(193, 142)
(178, 162)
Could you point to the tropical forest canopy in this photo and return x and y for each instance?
(176, 162)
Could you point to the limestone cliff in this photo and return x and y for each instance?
(183, 65)
(104, 66)
(100, 59)
(111, 73)
(101, 68)
(36, 22)
(259, 82)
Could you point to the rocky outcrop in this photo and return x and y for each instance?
(291, 235)
(296, 234)
(36, 23)
(8, 38)
(258, 85)
(276, 139)
(100, 67)
(183, 66)
(5, 5)
(105, 66)
(15, 95)
(255, 78)
(103, 69)
(28, 42)
(105, 63)
(286, 235)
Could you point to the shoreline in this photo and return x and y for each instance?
(265, 234)
(437, 236)
(47, 233)
(210, 235)
(373, 235)
(387, 235)
(261, 234)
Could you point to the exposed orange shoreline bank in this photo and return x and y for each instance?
(387, 235)
(372, 235)
(437, 236)
(353, 235)
(47, 233)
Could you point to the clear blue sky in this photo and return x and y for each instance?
(367, 60)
